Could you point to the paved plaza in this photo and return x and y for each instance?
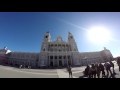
(11, 72)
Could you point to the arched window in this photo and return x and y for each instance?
(46, 37)
(44, 49)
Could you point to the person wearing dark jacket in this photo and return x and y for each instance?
(98, 70)
(112, 65)
(93, 71)
(102, 70)
(87, 71)
(118, 62)
(108, 66)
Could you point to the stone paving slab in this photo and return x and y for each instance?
(63, 74)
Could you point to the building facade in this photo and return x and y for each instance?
(4, 56)
(58, 53)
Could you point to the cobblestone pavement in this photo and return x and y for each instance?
(11, 72)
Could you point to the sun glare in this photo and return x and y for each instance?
(99, 35)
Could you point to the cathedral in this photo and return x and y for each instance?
(58, 53)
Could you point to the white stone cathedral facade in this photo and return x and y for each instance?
(58, 53)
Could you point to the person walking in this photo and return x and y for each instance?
(69, 69)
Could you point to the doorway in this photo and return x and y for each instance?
(51, 64)
(69, 62)
(60, 63)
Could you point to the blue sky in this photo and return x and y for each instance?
(24, 31)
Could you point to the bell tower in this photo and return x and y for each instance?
(74, 49)
(70, 37)
(72, 42)
(47, 37)
(46, 40)
(43, 56)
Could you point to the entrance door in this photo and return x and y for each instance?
(51, 63)
(69, 63)
(60, 62)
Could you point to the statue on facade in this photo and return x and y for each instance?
(5, 48)
(104, 48)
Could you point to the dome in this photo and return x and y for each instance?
(59, 38)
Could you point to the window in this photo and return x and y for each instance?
(44, 49)
(64, 57)
(46, 37)
(60, 57)
(37, 60)
(68, 57)
(55, 57)
(51, 57)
